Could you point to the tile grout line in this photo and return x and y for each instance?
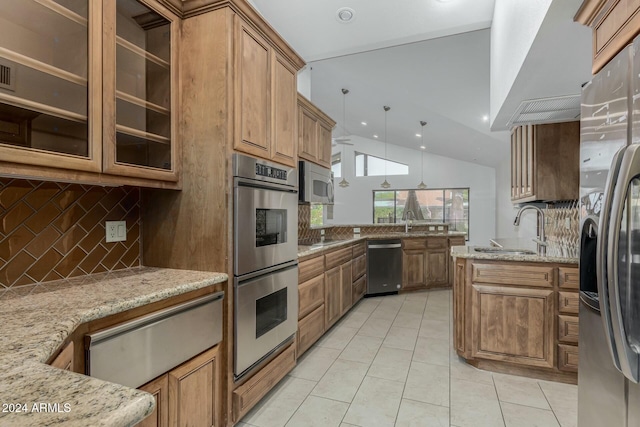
(495, 388)
(549, 403)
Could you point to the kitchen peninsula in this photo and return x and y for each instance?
(516, 313)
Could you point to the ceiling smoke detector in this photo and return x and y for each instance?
(345, 15)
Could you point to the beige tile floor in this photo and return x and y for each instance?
(390, 362)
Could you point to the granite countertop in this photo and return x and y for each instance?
(469, 252)
(306, 250)
(38, 318)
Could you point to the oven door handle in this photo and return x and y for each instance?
(241, 280)
(242, 182)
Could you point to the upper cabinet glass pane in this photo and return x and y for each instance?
(143, 86)
(44, 75)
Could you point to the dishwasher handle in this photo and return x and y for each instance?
(387, 246)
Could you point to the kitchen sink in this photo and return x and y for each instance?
(505, 251)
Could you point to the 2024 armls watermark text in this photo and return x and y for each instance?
(36, 407)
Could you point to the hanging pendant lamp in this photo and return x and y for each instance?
(385, 184)
(344, 183)
(422, 185)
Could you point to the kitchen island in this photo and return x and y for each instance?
(516, 313)
(39, 319)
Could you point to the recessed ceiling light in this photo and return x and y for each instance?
(418, 135)
(485, 118)
(345, 15)
(364, 123)
(423, 147)
(375, 136)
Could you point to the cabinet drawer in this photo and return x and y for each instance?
(311, 295)
(310, 329)
(359, 288)
(359, 249)
(337, 257)
(359, 266)
(408, 244)
(254, 389)
(513, 275)
(437, 243)
(569, 278)
(568, 329)
(568, 358)
(310, 268)
(568, 302)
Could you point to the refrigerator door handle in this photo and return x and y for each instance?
(601, 256)
(629, 168)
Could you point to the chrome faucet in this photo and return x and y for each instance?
(408, 225)
(541, 240)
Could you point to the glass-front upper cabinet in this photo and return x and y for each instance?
(140, 48)
(49, 83)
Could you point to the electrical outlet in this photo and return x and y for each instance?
(567, 223)
(116, 231)
(356, 230)
(322, 233)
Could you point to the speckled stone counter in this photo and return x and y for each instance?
(36, 319)
(305, 251)
(469, 252)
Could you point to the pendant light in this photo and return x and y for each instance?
(422, 185)
(344, 140)
(385, 184)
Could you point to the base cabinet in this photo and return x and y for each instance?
(346, 287)
(517, 317)
(310, 329)
(425, 263)
(333, 290)
(189, 395)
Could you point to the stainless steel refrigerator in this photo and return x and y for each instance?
(609, 313)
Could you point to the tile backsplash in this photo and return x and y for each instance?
(51, 231)
(562, 223)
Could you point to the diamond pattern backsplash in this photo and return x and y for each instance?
(51, 231)
(562, 229)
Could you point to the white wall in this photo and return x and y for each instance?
(304, 81)
(354, 204)
(514, 27)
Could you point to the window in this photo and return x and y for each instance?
(336, 165)
(317, 215)
(445, 205)
(368, 165)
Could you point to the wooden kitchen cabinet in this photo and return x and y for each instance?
(194, 391)
(311, 308)
(159, 389)
(314, 133)
(544, 162)
(615, 23)
(513, 324)
(310, 329)
(90, 104)
(425, 263)
(333, 292)
(266, 91)
(65, 359)
(453, 241)
(516, 317)
(346, 287)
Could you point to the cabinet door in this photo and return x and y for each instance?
(324, 145)
(194, 391)
(140, 57)
(159, 389)
(359, 289)
(346, 284)
(437, 268)
(332, 288)
(253, 92)
(51, 84)
(307, 135)
(513, 325)
(459, 329)
(65, 359)
(284, 147)
(414, 269)
(310, 329)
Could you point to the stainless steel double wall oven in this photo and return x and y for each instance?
(265, 221)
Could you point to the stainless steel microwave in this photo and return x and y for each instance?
(316, 183)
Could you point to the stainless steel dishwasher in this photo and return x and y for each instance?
(384, 266)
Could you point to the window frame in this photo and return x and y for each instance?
(366, 165)
(395, 203)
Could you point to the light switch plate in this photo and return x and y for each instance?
(116, 231)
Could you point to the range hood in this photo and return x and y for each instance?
(546, 110)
